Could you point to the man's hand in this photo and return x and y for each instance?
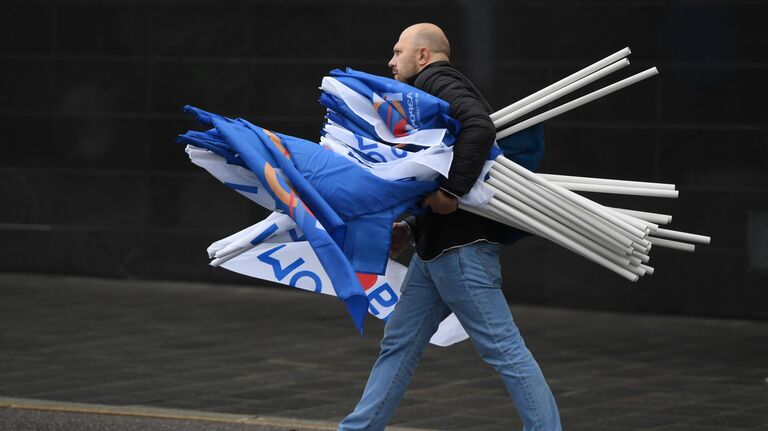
(400, 237)
(440, 202)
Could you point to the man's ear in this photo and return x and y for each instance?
(423, 56)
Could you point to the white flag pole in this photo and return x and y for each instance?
(643, 225)
(605, 181)
(647, 216)
(517, 200)
(648, 269)
(565, 242)
(596, 221)
(618, 232)
(485, 212)
(593, 207)
(497, 212)
(660, 242)
(570, 88)
(577, 102)
(599, 217)
(618, 242)
(684, 236)
(642, 256)
(562, 83)
(618, 190)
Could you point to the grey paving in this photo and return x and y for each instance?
(31, 420)
(285, 353)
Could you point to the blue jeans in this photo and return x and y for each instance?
(467, 281)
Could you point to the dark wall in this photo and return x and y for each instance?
(92, 182)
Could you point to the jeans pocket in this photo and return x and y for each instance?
(488, 257)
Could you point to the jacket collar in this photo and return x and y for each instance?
(412, 79)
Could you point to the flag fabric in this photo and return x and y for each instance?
(383, 148)
(359, 111)
(404, 108)
(375, 151)
(276, 250)
(371, 108)
(384, 161)
(283, 255)
(345, 213)
(526, 147)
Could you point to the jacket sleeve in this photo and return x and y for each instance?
(414, 225)
(475, 139)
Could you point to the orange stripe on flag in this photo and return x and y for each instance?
(291, 203)
(278, 143)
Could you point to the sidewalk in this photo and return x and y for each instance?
(140, 355)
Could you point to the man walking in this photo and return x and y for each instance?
(456, 265)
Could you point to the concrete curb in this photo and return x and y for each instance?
(177, 414)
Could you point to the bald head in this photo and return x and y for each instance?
(418, 46)
(431, 37)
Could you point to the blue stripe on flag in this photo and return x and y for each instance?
(242, 187)
(266, 233)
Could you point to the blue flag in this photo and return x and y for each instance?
(345, 212)
(401, 104)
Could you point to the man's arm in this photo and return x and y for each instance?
(414, 227)
(475, 138)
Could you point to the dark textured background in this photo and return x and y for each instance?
(92, 182)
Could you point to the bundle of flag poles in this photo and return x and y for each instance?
(546, 205)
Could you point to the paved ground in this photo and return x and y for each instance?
(132, 355)
(26, 419)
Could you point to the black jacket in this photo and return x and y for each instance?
(435, 233)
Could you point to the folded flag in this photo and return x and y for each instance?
(403, 108)
(345, 212)
(283, 255)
